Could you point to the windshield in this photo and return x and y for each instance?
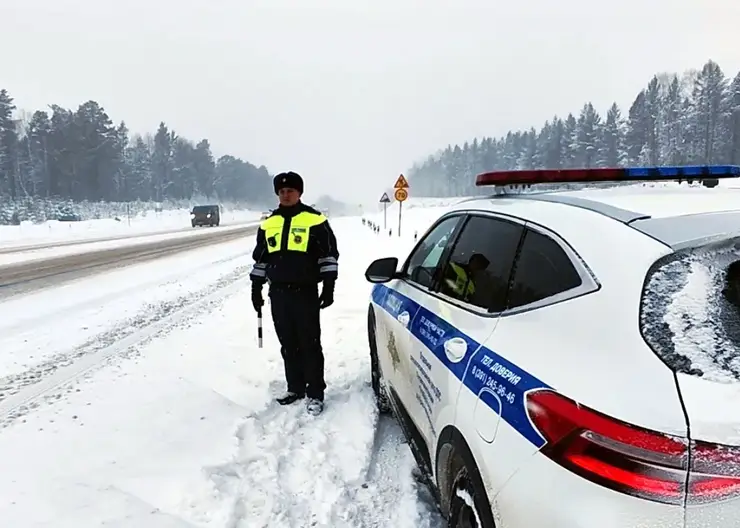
(205, 209)
(690, 313)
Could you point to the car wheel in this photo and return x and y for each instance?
(469, 506)
(376, 375)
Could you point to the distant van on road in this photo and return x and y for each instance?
(202, 215)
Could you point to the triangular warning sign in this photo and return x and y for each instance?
(385, 198)
(401, 183)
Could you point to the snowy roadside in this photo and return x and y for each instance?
(289, 469)
(183, 431)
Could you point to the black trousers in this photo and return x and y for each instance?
(295, 312)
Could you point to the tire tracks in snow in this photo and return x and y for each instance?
(50, 380)
(372, 499)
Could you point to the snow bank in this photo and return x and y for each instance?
(421, 202)
(413, 221)
(148, 222)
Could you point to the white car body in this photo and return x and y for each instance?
(455, 371)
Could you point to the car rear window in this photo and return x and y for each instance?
(690, 310)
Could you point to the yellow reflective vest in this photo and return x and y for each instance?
(297, 249)
(300, 227)
(461, 284)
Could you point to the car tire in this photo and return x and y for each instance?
(376, 375)
(462, 514)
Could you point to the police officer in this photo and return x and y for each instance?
(461, 278)
(296, 250)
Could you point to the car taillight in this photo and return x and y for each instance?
(715, 472)
(629, 459)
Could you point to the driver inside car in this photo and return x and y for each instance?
(461, 279)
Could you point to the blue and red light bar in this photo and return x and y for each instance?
(632, 174)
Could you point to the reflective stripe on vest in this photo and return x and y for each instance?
(300, 227)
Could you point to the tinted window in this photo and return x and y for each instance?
(542, 270)
(479, 267)
(423, 262)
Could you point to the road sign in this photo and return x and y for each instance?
(401, 195)
(401, 183)
(385, 200)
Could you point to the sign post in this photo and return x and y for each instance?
(385, 200)
(401, 186)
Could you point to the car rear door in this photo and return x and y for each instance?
(454, 317)
(546, 273)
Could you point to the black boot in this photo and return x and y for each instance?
(289, 397)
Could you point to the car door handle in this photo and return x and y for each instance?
(404, 318)
(455, 349)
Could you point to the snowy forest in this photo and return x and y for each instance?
(60, 162)
(687, 119)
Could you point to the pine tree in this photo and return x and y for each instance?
(8, 145)
(733, 121)
(612, 152)
(587, 134)
(710, 112)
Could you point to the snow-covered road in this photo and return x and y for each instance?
(77, 247)
(108, 421)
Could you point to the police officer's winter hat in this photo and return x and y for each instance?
(290, 180)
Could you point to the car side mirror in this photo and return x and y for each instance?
(382, 270)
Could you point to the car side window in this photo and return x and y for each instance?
(423, 261)
(479, 267)
(543, 269)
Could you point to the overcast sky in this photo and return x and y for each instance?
(350, 92)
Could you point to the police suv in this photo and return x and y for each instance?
(570, 359)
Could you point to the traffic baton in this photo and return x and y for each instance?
(259, 328)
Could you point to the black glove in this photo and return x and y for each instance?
(257, 300)
(327, 295)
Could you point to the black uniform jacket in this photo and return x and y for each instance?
(295, 263)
